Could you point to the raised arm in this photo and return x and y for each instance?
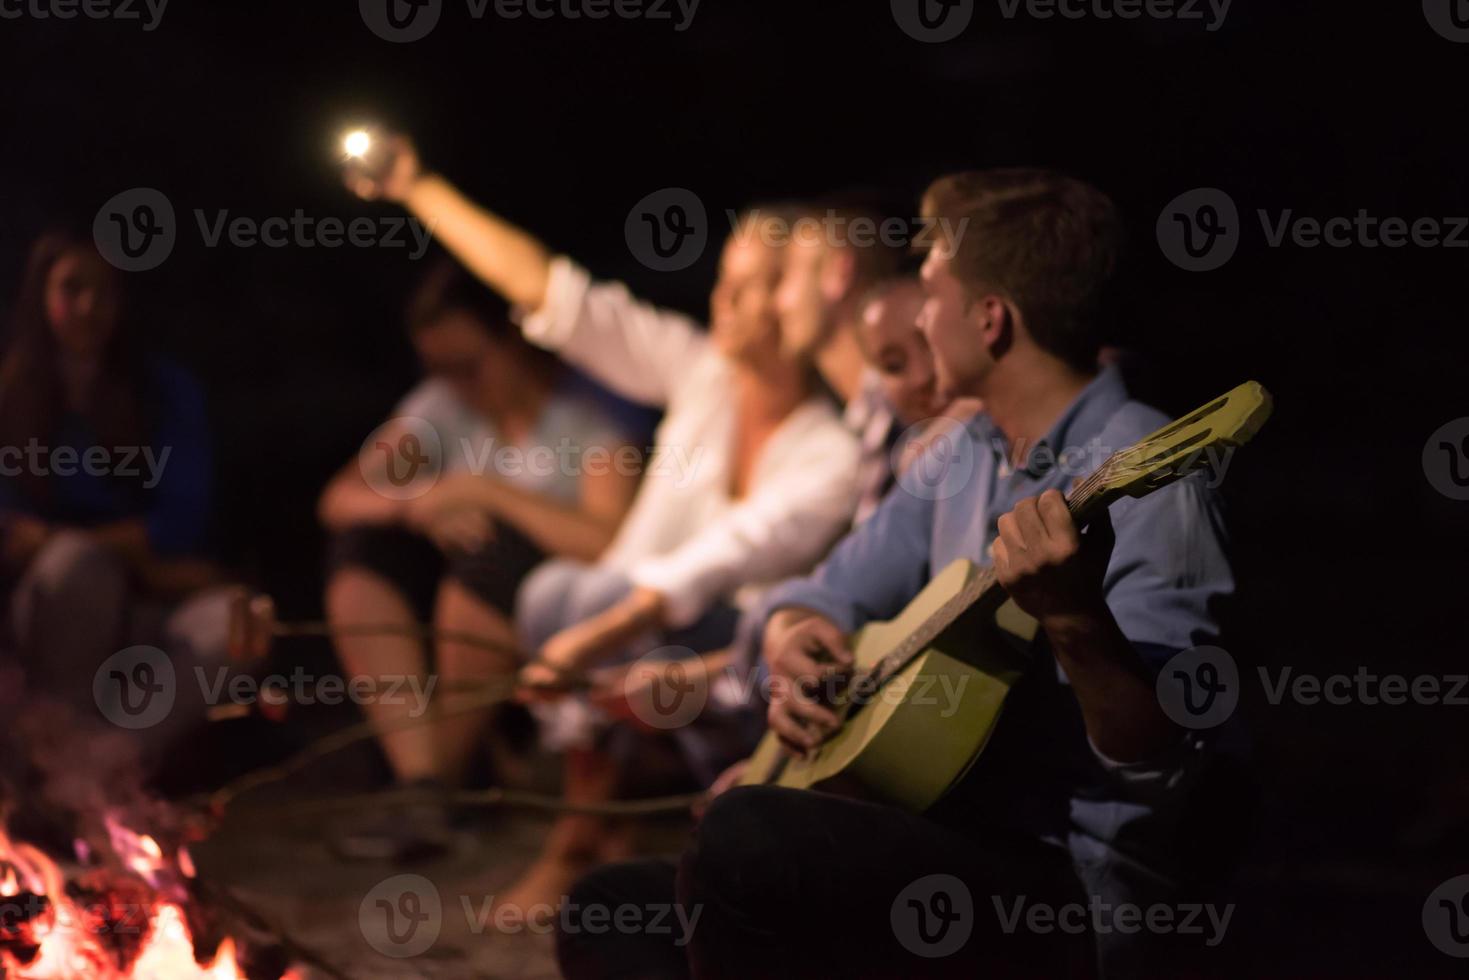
(509, 260)
(639, 350)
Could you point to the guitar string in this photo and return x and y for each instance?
(886, 668)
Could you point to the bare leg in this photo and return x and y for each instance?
(577, 842)
(356, 597)
(456, 737)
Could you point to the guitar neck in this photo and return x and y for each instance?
(984, 594)
(1084, 502)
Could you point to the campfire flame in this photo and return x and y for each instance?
(130, 930)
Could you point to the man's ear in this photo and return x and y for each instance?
(838, 274)
(995, 317)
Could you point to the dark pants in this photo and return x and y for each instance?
(415, 565)
(783, 883)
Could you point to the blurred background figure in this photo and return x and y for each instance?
(895, 411)
(105, 482)
(536, 463)
(757, 476)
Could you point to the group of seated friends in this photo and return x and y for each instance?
(788, 499)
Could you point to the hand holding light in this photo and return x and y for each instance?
(378, 164)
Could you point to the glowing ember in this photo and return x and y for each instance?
(124, 931)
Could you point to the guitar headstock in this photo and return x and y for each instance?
(1183, 446)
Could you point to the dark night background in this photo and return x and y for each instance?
(1345, 553)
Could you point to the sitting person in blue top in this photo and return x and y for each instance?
(1073, 806)
(105, 481)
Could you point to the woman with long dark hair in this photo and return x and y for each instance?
(105, 469)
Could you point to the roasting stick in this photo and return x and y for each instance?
(253, 626)
(499, 797)
(490, 693)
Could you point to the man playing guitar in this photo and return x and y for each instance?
(1073, 804)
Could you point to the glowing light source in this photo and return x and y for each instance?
(357, 143)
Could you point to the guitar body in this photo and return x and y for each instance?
(943, 668)
(913, 740)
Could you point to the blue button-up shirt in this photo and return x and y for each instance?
(1167, 573)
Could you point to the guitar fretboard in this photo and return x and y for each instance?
(984, 588)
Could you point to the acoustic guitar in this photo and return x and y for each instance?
(962, 633)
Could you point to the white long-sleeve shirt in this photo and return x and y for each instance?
(686, 536)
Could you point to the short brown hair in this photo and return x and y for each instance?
(1048, 242)
(876, 256)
